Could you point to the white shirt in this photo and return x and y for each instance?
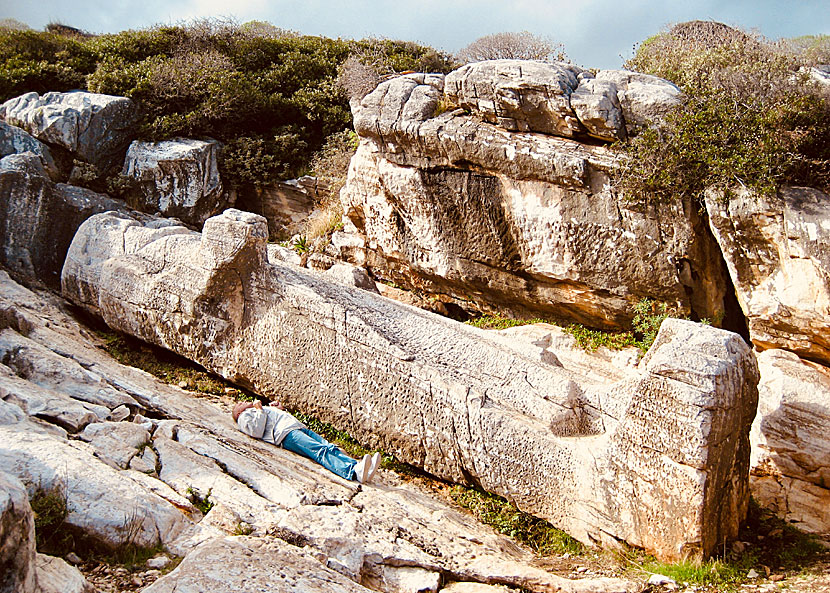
(269, 424)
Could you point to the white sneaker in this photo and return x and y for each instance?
(362, 470)
(374, 466)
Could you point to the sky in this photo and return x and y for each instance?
(595, 33)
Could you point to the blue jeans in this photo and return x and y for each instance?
(309, 444)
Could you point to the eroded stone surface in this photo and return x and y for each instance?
(777, 249)
(791, 448)
(93, 127)
(644, 99)
(177, 178)
(380, 370)
(17, 537)
(526, 221)
(518, 95)
(38, 219)
(246, 565)
(540, 246)
(252, 485)
(14, 140)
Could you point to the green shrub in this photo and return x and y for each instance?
(203, 503)
(750, 118)
(50, 509)
(271, 96)
(505, 518)
(591, 339)
(496, 321)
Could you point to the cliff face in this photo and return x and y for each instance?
(485, 203)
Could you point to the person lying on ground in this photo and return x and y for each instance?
(274, 425)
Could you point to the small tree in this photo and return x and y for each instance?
(518, 46)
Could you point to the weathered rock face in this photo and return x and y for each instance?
(558, 98)
(790, 446)
(343, 535)
(778, 253)
(22, 569)
(17, 538)
(613, 462)
(177, 178)
(286, 205)
(14, 140)
(282, 566)
(643, 99)
(514, 220)
(93, 127)
(38, 218)
(518, 95)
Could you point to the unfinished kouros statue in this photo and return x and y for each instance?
(656, 457)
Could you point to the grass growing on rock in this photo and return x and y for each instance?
(766, 544)
(648, 315)
(50, 509)
(503, 516)
(167, 366)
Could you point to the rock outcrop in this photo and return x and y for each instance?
(38, 218)
(176, 178)
(658, 458)
(14, 140)
(305, 523)
(790, 445)
(518, 220)
(777, 249)
(93, 127)
(286, 205)
(17, 537)
(22, 569)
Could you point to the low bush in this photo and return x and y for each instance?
(271, 96)
(522, 45)
(752, 118)
(50, 509)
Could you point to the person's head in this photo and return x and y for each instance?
(239, 408)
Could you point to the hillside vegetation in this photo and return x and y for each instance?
(753, 116)
(271, 95)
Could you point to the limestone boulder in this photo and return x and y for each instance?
(38, 219)
(247, 564)
(644, 99)
(463, 208)
(380, 371)
(116, 443)
(17, 538)
(597, 106)
(177, 178)
(790, 444)
(777, 249)
(518, 95)
(351, 276)
(93, 127)
(14, 140)
(55, 575)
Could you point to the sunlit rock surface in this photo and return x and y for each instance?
(777, 249)
(657, 458)
(517, 220)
